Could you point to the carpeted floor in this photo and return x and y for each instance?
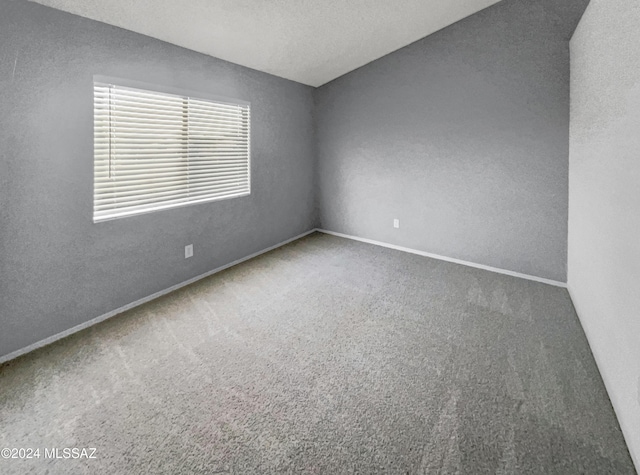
(324, 356)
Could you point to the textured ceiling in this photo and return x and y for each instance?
(309, 41)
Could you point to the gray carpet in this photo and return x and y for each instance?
(325, 356)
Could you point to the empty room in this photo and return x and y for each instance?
(374, 237)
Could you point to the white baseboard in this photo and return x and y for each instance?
(449, 259)
(101, 318)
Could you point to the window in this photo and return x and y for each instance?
(154, 150)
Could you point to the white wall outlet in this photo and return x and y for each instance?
(396, 223)
(188, 251)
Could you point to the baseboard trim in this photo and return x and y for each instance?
(449, 259)
(101, 318)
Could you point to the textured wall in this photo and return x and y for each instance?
(604, 199)
(463, 136)
(57, 268)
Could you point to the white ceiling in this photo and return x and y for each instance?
(309, 41)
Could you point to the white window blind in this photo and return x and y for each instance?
(154, 150)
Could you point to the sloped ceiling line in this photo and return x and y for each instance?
(308, 41)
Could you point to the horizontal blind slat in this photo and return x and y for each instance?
(103, 159)
(181, 167)
(169, 182)
(124, 196)
(118, 105)
(169, 127)
(193, 155)
(133, 147)
(122, 136)
(133, 179)
(138, 113)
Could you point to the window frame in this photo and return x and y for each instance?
(161, 89)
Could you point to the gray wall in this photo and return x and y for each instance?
(463, 136)
(604, 199)
(57, 268)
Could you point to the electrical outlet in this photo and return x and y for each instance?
(396, 223)
(188, 251)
